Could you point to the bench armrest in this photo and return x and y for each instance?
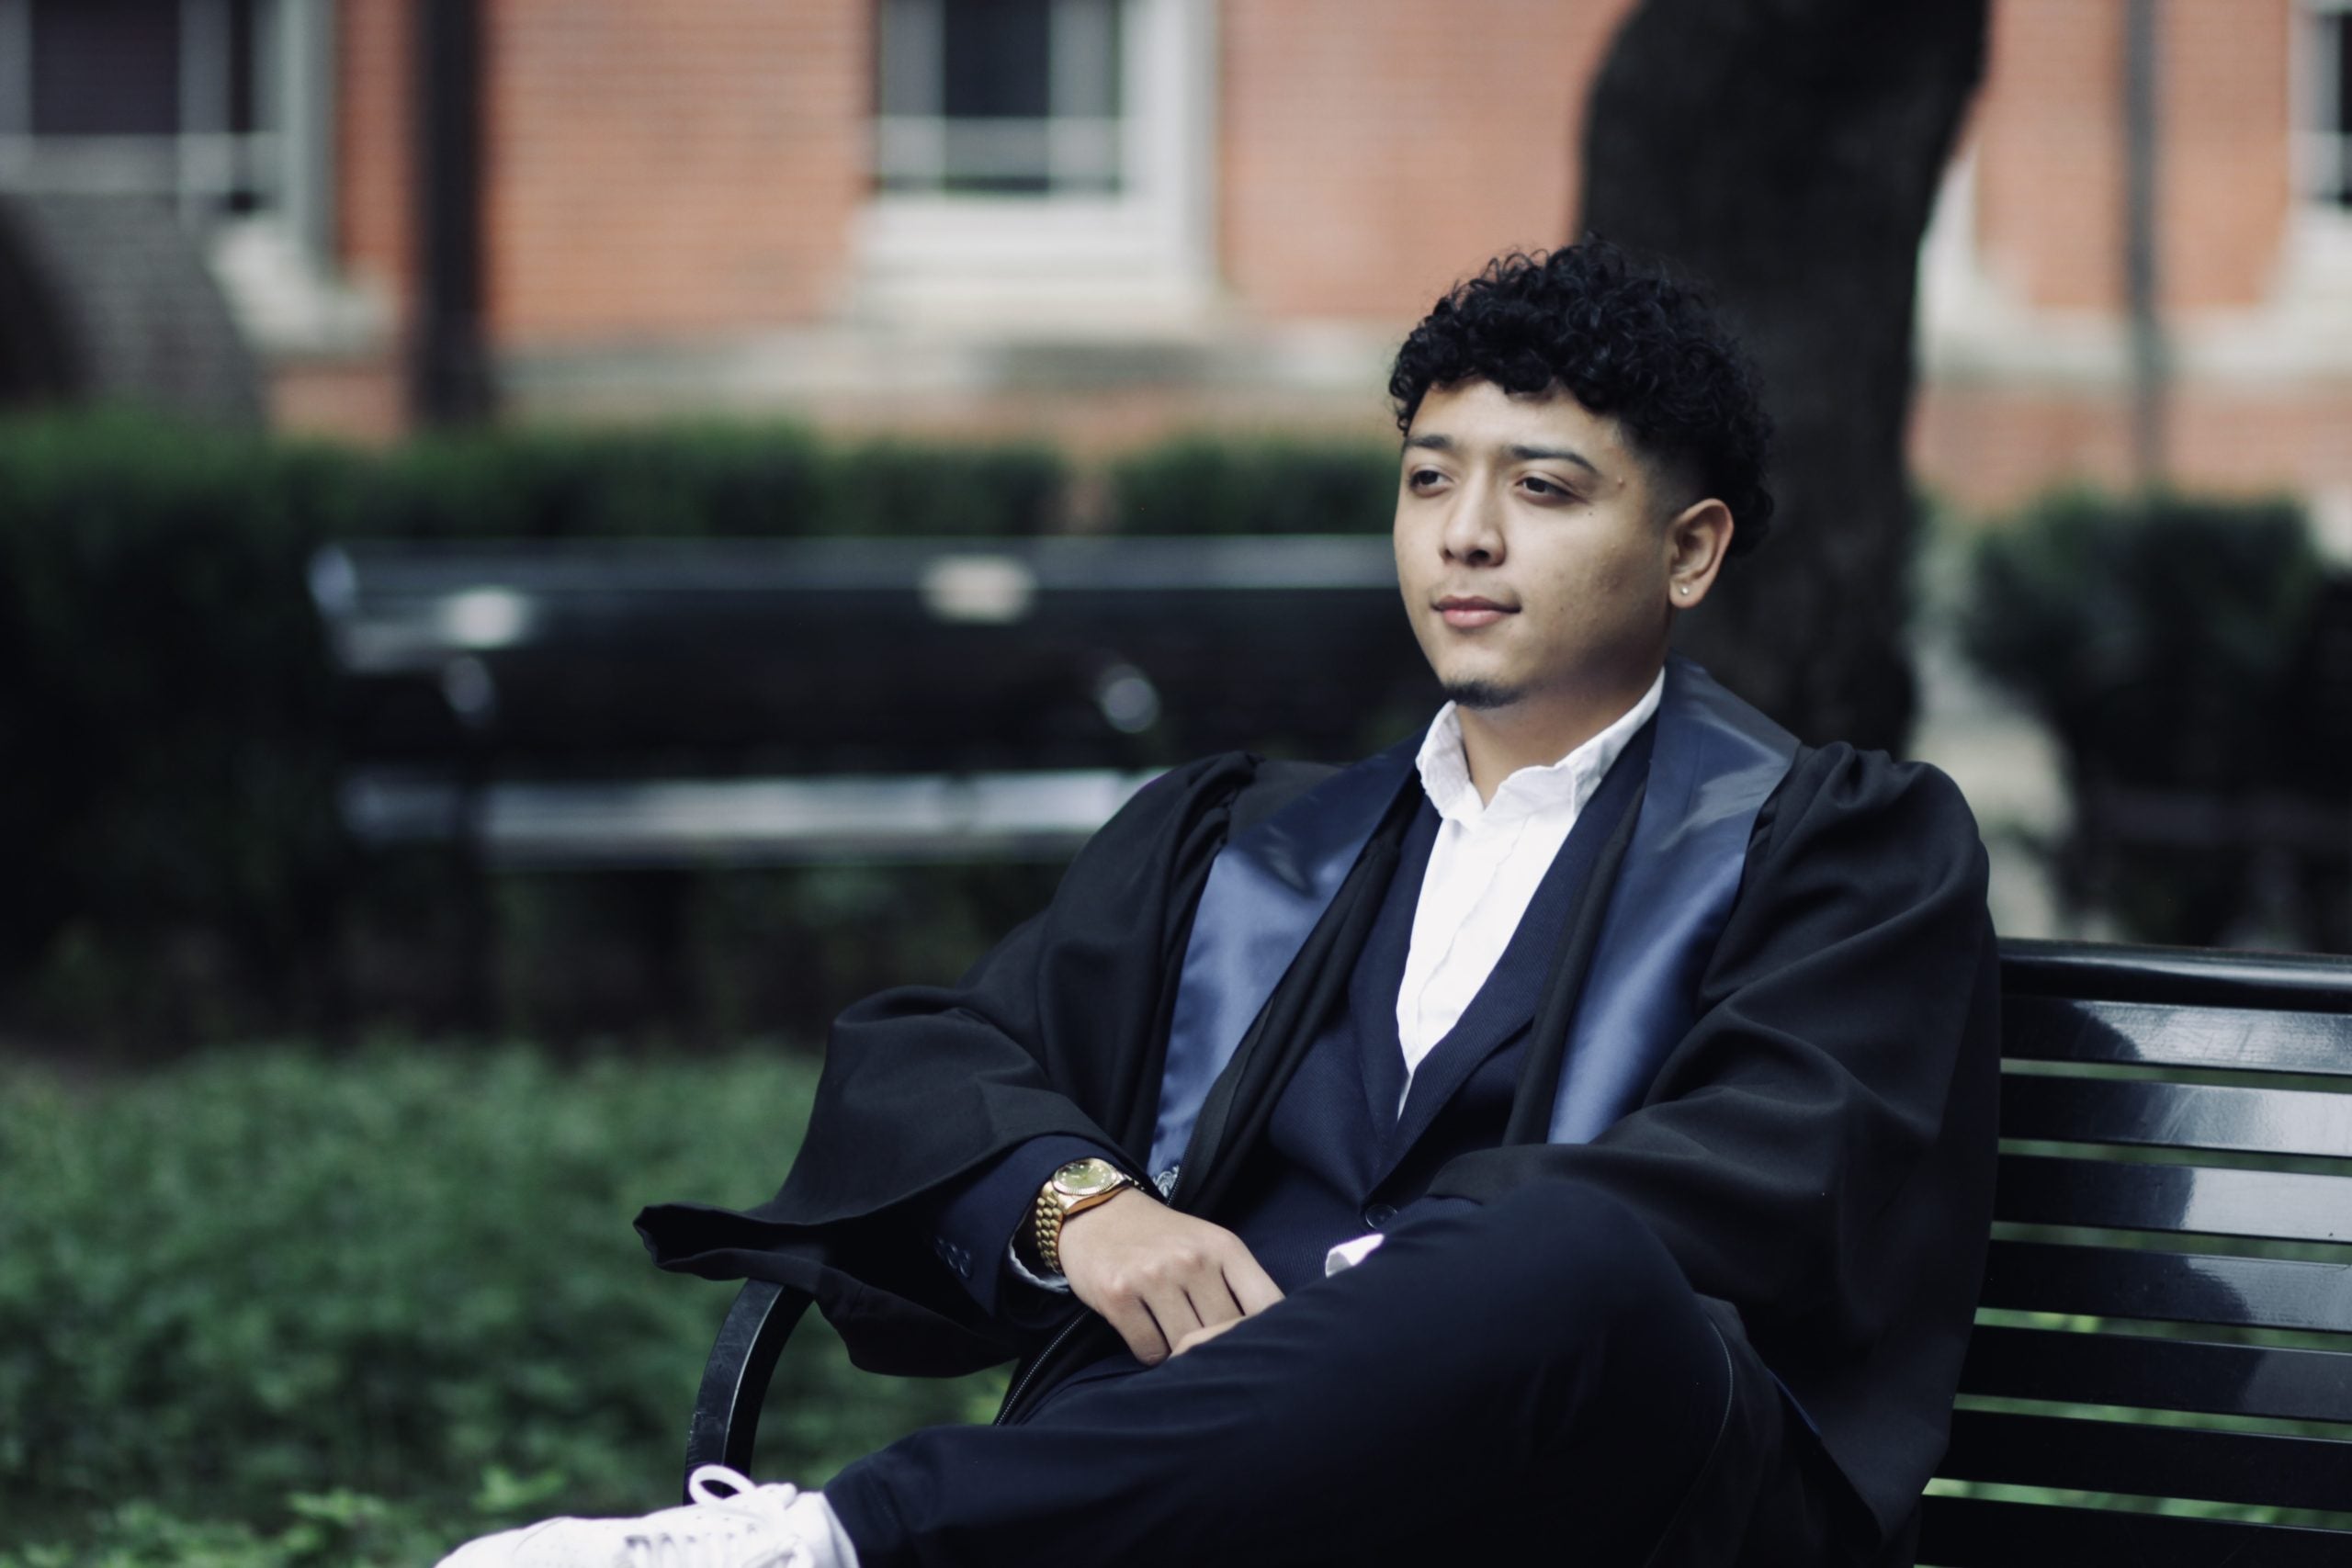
(735, 1380)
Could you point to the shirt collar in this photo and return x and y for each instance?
(1563, 785)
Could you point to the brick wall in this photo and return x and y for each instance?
(1987, 448)
(1375, 151)
(2226, 188)
(2050, 136)
(373, 197)
(688, 167)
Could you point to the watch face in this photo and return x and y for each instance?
(1082, 1177)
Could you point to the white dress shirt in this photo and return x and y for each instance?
(1486, 865)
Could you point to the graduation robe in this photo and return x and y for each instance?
(1815, 1150)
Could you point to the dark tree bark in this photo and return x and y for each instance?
(1788, 152)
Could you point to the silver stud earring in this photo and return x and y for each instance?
(1684, 590)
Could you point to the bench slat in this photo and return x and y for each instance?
(2162, 1034)
(2162, 1374)
(2173, 1287)
(2196, 1116)
(1972, 1532)
(2153, 1461)
(2281, 1205)
(2200, 976)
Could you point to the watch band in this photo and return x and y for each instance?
(1074, 1189)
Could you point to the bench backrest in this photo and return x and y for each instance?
(2162, 1370)
(605, 658)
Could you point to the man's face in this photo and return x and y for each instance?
(1531, 548)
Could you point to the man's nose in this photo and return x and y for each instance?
(1473, 526)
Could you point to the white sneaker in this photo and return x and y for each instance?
(742, 1525)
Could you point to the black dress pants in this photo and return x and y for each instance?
(1531, 1381)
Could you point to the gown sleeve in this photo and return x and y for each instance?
(1818, 1149)
(1059, 1032)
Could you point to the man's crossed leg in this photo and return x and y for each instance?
(1532, 1378)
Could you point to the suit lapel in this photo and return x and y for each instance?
(1372, 989)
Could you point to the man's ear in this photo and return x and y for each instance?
(1697, 541)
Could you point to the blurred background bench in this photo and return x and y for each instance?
(666, 704)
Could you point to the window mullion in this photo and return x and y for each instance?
(207, 153)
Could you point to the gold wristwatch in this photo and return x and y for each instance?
(1074, 1189)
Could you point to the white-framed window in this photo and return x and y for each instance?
(1050, 152)
(223, 108)
(2321, 103)
(2315, 264)
(999, 98)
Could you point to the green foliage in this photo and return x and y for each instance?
(267, 1292)
(747, 482)
(169, 745)
(1215, 485)
(2153, 634)
(2162, 639)
(330, 1530)
(161, 716)
(168, 749)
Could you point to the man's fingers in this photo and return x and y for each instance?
(1141, 1331)
(1171, 1308)
(1252, 1287)
(1213, 1303)
(1203, 1335)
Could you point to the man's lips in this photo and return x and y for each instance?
(1466, 612)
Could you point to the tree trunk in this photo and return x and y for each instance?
(1788, 152)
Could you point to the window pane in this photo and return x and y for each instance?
(105, 67)
(244, 45)
(1086, 58)
(996, 59)
(906, 57)
(1007, 97)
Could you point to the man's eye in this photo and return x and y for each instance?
(1547, 490)
(1422, 479)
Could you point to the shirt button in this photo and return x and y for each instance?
(1378, 1215)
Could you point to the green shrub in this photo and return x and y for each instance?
(747, 482)
(168, 746)
(166, 715)
(2154, 635)
(1205, 484)
(262, 1275)
(2161, 639)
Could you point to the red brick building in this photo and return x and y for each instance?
(1098, 219)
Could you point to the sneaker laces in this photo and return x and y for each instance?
(713, 1530)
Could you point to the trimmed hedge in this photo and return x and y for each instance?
(167, 713)
(2172, 645)
(399, 1285)
(1205, 484)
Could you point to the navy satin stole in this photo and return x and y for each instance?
(1714, 761)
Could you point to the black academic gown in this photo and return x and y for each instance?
(1817, 1151)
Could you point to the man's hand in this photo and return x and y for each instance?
(1166, 1280)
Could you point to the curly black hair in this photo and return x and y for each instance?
(1625, 339)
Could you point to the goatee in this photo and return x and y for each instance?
(1481, 693)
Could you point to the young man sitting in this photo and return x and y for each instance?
(1566, 1136)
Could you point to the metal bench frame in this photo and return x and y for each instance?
(2156, 1179)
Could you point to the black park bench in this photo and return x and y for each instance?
(679, 704)
(2161, 1373)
